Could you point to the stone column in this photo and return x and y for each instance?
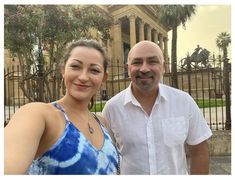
(149, 33)
(161, 42)
(117, 44)
(132, 30)
(155, 37)
(141, 30)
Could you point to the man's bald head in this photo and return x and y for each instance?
(144, 49)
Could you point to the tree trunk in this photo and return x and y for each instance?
(227, 90)
(174, 76)
(40, 74)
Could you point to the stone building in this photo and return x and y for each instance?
(133, 23)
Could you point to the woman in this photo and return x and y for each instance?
(64, 137)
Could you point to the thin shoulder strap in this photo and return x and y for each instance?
(61, 109)
(102, 123)
(97, 119)
(112, 138)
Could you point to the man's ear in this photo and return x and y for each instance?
(128, 69)
(163, 68)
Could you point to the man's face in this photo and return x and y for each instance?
(145, 67)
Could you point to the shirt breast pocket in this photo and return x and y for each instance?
(174, 131)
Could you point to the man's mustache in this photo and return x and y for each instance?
(144, 74)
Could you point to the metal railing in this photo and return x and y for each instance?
(205, 85)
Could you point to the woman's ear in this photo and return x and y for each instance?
(62, 70)
(105, 77)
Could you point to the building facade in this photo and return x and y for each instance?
(133, 23)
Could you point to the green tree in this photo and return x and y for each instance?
(172, 16)
(37, 34)
(223, 40)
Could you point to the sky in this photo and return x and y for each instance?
(203, 29)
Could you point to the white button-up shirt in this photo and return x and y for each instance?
(154, 144)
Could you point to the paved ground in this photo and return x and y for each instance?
(220, 165)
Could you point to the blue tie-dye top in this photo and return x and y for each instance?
(74, 154)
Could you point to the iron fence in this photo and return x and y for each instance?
(205, 85)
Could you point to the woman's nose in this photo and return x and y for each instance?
(83, 76)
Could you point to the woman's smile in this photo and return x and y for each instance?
(82, 86)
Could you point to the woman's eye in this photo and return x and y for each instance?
(75, 66)
(95, 71)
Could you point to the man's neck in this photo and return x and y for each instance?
(146, 99)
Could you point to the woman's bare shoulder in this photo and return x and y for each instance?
(23, 134)
(34, 109)
(36, 106)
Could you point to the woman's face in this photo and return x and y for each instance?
(84, 73)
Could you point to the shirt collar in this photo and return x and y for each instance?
(162, 93)
(129, 97)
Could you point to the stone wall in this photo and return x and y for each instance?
(220, 143)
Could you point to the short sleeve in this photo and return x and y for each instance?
(199, 130)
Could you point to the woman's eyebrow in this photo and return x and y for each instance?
(77, 60)
(93, 64)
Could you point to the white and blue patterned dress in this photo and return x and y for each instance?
(74, 154)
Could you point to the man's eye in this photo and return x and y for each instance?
(153, 62)
(136, 62)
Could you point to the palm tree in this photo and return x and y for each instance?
(172, 16)
(223, 40)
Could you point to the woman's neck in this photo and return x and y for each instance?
(73, 105)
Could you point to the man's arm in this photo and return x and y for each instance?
(199, 159)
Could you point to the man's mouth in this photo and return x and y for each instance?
(144, 77)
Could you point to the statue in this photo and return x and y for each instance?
(199, 56)
(196, 51)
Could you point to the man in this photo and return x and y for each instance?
(152, 122)
(196, 50)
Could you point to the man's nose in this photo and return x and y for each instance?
(144, 67)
